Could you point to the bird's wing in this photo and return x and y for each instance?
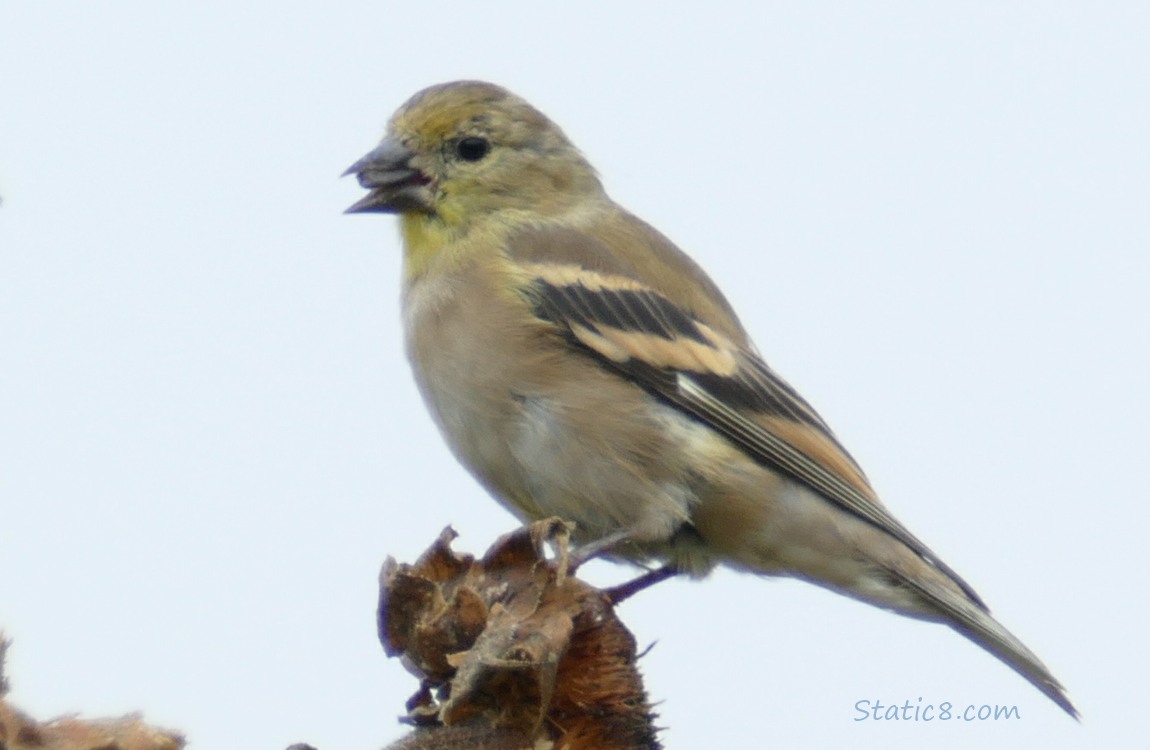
(667, 350)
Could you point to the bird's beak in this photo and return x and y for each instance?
(396, 186)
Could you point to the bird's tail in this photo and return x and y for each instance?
(864, 561)
(974, 621)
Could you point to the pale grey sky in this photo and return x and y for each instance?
(933, 220)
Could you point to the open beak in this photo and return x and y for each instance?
(396, 186)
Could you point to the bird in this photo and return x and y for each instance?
(580, 365)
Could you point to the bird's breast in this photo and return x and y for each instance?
(467, 391)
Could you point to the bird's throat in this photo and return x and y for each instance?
(424, 237)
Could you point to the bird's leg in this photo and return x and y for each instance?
(624, 591)
(590, 550)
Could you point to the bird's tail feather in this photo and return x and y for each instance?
(976, 623)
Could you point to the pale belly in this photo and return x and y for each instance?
(544, 455)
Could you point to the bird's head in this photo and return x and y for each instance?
(459, 151)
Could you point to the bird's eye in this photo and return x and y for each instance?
(472, 149)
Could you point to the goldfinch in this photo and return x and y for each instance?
(580, 365)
